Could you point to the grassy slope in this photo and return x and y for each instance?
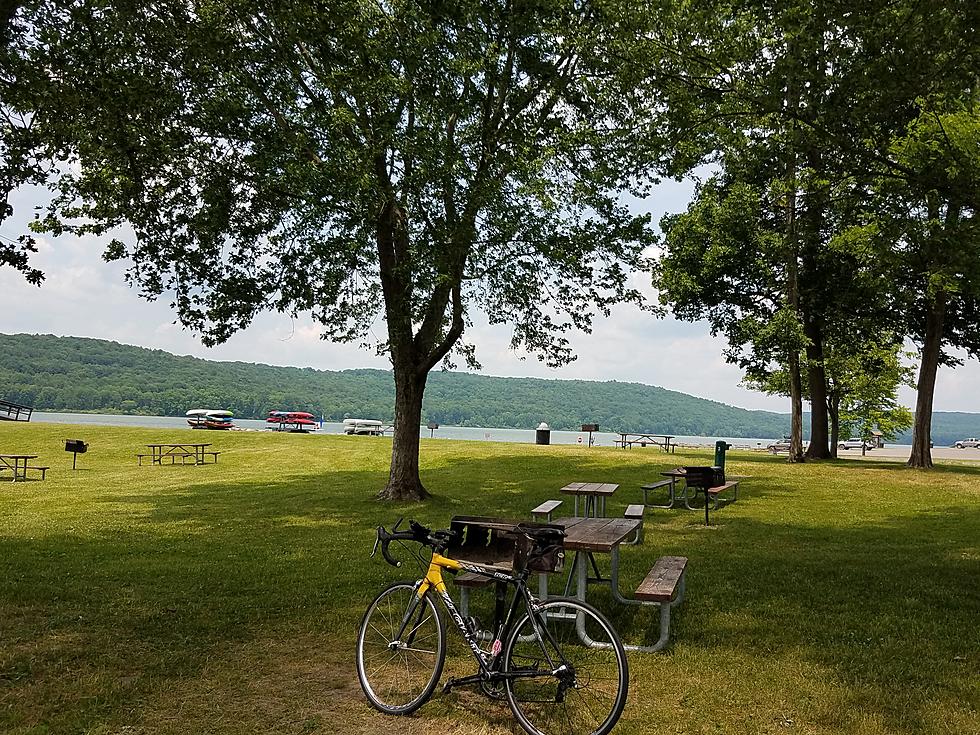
(834, 598)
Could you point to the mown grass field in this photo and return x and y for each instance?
(831, 598)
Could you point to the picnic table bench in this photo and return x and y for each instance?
(586, 536)
(546, 509)
(670, 484)
(42, 470)
(714, 492)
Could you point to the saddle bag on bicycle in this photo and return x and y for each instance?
(547, 548)
(549, 559)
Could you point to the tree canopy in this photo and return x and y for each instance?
(404, 161)
(845, 204)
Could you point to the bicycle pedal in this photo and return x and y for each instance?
(447, 688)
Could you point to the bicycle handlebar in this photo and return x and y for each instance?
(416, 532)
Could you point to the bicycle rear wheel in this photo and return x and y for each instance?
(573, 676)
(398, 674)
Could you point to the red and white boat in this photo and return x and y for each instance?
(295, 421)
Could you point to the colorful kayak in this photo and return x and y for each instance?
(203, 418)
(296, 421)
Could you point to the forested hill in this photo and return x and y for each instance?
(76, 374)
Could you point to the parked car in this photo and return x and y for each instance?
(971, 443)
(855, 443)
(782, 446)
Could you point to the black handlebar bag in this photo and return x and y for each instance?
(537, 547)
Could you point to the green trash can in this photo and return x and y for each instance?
(720, 448)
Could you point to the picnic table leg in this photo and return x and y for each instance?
(687, 499)
(614, 582)
(583, 634)
(665, 607)
(572, 576)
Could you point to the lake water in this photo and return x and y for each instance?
(469, 433)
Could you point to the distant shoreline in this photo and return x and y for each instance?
(466, 433)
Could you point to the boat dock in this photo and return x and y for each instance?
(14, 412)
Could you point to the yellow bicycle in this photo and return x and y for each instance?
(558, 662)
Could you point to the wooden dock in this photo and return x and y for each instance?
(14, 412)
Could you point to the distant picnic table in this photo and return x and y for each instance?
(664, 441)
(17, 463)
(594, 494)
(183, 452)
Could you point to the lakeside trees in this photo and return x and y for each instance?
(862, 127)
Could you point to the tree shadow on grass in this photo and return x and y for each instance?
(885, 605)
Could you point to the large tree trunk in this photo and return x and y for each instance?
(928, 368)
(404, 482)
(833, 410)
(796, 409)
(817, 379)
(413, 352)
(792, 254)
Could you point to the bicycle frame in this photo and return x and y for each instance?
(488, 662)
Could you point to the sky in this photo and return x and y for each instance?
(83, 296)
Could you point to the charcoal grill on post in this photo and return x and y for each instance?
(703, 478)
(76, 447)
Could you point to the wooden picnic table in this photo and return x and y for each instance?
(16, 463)
(663, 587)
(182, 451)
(587, 537)
(628, 439)
(594, 493)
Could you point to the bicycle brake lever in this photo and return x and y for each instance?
(377, 540)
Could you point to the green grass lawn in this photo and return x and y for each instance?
(831, 598)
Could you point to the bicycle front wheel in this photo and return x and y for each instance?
(569, 670)
(401, 648)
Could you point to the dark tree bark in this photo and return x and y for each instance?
(414, 351)
(925, 390)
(404, 481)
(793, 264)
(817, 381)
(833, 411)
(796, 409)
